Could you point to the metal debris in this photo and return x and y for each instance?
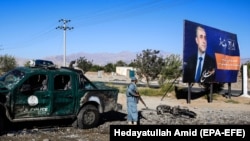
(175, 110)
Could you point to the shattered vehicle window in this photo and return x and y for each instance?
(61, 82)
(36, 82)
(11, 78)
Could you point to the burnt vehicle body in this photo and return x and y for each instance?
(50, 93)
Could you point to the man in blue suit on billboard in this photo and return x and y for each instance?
(200, 67)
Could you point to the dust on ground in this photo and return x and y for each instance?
(221, 110)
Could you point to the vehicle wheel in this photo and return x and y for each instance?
(88, 117)
(1, 125)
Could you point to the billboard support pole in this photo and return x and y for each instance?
(229, 90)
(189, 92)
(245, 77)
(211, 93)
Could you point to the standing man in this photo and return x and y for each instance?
(132, 101)
(200, 67)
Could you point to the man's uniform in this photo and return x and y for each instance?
(132, 101)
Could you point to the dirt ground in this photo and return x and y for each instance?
(220, 106)
(221, 110)
(241, 103)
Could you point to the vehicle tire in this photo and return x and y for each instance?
(1, 125)
(88, 117)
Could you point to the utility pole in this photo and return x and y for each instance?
(64, 27)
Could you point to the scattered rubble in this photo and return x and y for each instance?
(218, 112)
(147, 117)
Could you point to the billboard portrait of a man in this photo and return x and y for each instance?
(199, 66)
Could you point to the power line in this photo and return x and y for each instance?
(64, 27)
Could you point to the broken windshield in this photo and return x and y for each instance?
(11, 78)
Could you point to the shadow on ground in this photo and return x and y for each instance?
(182, 93)
(54, 124)
(41, 125)
(112, 116)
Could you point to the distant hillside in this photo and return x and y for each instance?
(99, 58)
(244, 60)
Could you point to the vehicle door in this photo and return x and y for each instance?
(63, 94)
(31, 99)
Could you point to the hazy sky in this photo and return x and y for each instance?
(28, 27)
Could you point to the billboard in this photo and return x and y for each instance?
(209, 54)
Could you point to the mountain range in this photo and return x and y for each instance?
(96, 58)
(100, 59)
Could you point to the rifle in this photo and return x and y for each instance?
(142, 101)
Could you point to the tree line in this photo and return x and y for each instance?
(149, 64)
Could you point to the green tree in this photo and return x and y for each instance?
(132, 64)
(171, 68)
(84, 64)
(96, 68)
(7, 63)
(109, 67)
(248, 68)
(27, 64)
(148, 64)
(120, 63)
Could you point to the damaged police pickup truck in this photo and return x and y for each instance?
(46, 92)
